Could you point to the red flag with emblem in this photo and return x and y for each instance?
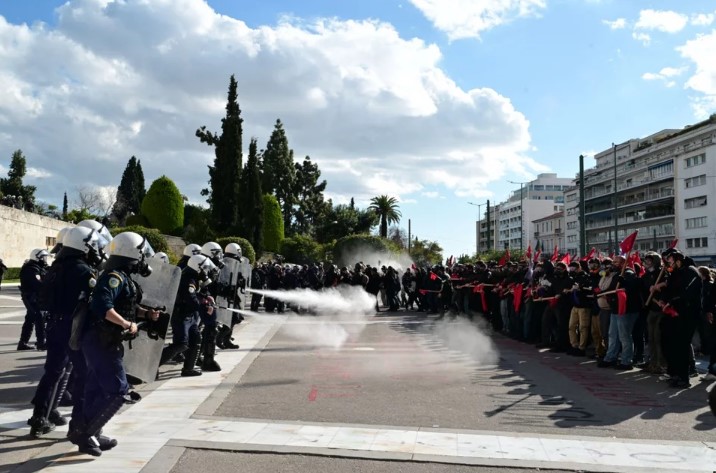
(628, 243)
(528, 253)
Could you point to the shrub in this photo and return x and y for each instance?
(156, 239)
(247, 248)
(273, 224)
(11, 273)
(137, 220)
(301, 249)
(163, 206)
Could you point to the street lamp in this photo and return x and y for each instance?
(477, 229)
(522, 213)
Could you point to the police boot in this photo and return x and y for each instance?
(56, 418)
(39, 425)
(209, 351)
(190, 357)
(172, 351)
(21, 346)
(76, 434)
(88, 438)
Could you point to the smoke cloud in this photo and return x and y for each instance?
(369, 256)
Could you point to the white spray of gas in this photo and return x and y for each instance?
(376, 259)
(340, 314)
(468, 338)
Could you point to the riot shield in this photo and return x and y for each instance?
(227, 287)
(246, 273)
(159, 291)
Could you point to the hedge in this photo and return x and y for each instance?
(301, 249)
(153, 236)
(11, 273)
(273, 224)
(163, 206)
(247, 248)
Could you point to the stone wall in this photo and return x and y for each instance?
(176, 245)
(21, 232)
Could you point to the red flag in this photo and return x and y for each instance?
(480, 289)
(621, 301)
(537, 255)
(555, 255)
(518, 297)
(628, 243)
(433, 276)
(503, 261)
(415, 268)
(528, 253)
(567, 259)
(637, 260)
(590, 255)
(670, 311)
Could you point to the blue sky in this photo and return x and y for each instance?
(436, 102)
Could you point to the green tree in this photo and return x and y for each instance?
(64, 207)
(279, 173)
(225, 175)
(339, 221)
(247, 248)
(426, 252)
(14, 193)
(156, 239)
(252, 202)
(301, 249)
(163, 206)
(196, 225)
(131, 190)
(308, 192)
(77, 215)
(348, 250)
(273, 224)
(387, 210)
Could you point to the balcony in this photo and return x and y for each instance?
(536, 234)
(557, 231)
(652, 194)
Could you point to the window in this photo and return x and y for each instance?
(702, 242)
(695, 202)
(539, 188)
(662, 170)
(695, 181)
(549, 188)
(698, 222)
(50, 241)
(695, 160)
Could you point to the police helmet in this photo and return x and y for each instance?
(82, 239)
(130, 245)
(161, 256)
(212, 250)
(40, 255)
(233, 249)
(58, 240)
(192, 249)
(202, 264)
(105, 238)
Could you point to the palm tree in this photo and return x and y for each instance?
(387, 210)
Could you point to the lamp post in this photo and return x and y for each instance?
(477, 229)
(522, 213)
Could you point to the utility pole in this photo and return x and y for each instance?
(489, 226)
(409, 240)
(477, 229)
(616, 205)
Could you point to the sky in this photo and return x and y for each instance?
(435, 102)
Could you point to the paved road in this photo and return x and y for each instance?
(403, 393)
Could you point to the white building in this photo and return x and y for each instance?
(549, 232)
(661, 187)
(537, 199)
(571, 220)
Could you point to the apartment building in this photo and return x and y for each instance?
(537, 199)
(549, 232)
(571, 220)
(659, 185)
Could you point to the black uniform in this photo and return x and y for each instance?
(31, 275)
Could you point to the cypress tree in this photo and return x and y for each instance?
(252, 203)
(130, 192)
(279, 173)
(64, 207)
(308, 193)
(224, 176)
(273, 224)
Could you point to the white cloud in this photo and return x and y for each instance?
(35, 173)
(664, 74)
(700, 51)
(468, 18)
(664, 21)
(702, 19)
(430, 194)
(374, 110)
(644, 38)
(618, 24)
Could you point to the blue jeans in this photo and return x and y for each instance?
(620, 337)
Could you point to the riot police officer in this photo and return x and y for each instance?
(69, 280)
(111, 319)
(189, 307)
(189, 251)
(31, 275)
(224, 338)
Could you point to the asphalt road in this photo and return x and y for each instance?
(413, 372)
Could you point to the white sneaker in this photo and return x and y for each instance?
(709, 377)
(665, 377)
